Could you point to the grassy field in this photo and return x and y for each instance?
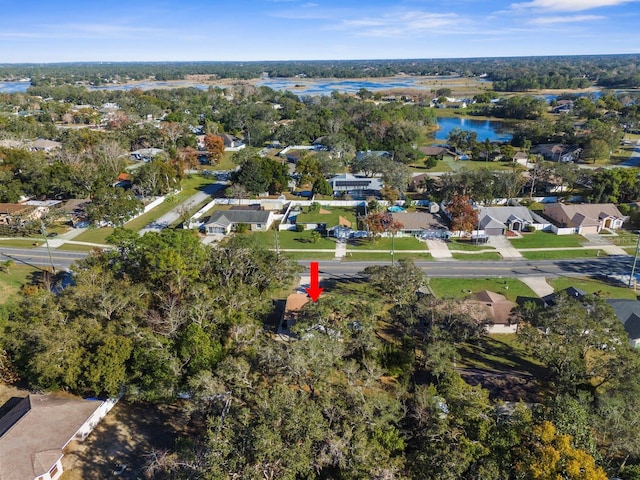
(589, 285)
(500, 353)
(464, 287)
(384, 243)
(363, 255)
(290, 239)
(557, 254)
(624, 238)
(20, 242)
(74, 247)
(95, 235)
(540, 239)
(309, 255)
(477, 256)
(466, 245)
(330, 219)
(10, 283)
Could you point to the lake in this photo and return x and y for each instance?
(325, 86)
(13, 87)
(494, 130)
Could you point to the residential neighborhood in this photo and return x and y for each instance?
(417, 274)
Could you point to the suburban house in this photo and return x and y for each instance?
(11, 212)
(37, 428)
(146, 154)
(293, 307)
(628, 312)
(570, 292)
(225, 221)
(44, 145)
(500, 220)
(438, 152)
(349, 183)
(415, 223)
(586, 217)
(558, 152)
(498, 309)
(372, 153)
(521, 158)
(231, 142)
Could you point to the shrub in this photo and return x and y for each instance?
(299, 227)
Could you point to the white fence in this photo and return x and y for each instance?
(563, 231)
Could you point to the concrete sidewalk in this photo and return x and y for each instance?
(539, 285)
(504, 247)
(439, 250)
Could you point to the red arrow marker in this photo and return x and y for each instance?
(315, 290)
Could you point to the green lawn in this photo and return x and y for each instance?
(464, 287)
(95, 235)
(500, 353)
(330, 219)
(477, 256)
(309, 255)
(590, 285)
(624, 238)
(72, 247)
(384, 243)
(466, 245)
(540, 239)
(10, 283)
(557, 254)
(363, 255)
(20, 242)
(290, 239)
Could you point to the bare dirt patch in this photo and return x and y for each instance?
(124, 437)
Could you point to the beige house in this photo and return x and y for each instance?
(585, 218)
(498, 309)
(12, 212)
(36, 429)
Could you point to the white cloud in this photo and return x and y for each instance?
(568, 5)
(565, 19)
(402, 23)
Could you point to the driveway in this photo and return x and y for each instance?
(504, 247)
(190, 203)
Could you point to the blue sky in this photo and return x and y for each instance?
(116, 30)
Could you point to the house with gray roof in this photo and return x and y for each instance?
(347, 182)
(225, 221)
(499, 220)
(628, 312)
(35, 430)
(414, 223)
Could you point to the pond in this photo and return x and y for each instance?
(13, 87)
(494, 130)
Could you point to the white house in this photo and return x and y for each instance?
(36, 430)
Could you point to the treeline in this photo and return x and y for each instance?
(163, 315)
(509, 74)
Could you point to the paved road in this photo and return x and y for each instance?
(604, 266)
(634, 159)
(171, 217)
(39, 257)
(477, 269)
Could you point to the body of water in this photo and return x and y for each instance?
(494, 130)
(13, 87)
(313, 87)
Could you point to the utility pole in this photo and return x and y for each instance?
(635, 261)
(46, 241)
